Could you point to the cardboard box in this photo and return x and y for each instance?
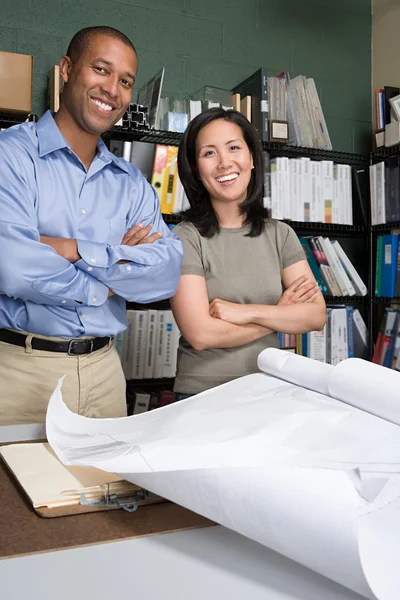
(392, 134)
(16, 71)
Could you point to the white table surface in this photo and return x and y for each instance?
(211, 563)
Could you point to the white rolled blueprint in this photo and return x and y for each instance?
(302, 457)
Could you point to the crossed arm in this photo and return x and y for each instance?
(59, 272)
(222, 324)
(68, 248)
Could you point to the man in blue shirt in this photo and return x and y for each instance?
(80, 233)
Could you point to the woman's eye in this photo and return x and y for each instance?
(235, 148)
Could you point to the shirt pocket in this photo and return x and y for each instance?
(117, 228)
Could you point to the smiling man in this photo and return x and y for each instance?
(80, 233)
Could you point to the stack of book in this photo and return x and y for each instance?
(306, 190)
(387, 348)
(344, 336)
(270, 102)
(148, 347)
(384, 180)
(159, 164)
(387, 279)
(332, 268)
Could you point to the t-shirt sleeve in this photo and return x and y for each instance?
(291, 248)
(192, 263)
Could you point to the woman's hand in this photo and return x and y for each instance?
(300, 291)
(238, 314)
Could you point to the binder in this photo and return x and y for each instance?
(389, 265)
(55, 490)
(256, 86)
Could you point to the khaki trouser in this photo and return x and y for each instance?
(94, 385)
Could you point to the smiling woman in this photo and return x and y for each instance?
(244, 277)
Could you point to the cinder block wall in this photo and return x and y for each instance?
(219, 43)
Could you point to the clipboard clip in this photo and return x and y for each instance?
(128, 503)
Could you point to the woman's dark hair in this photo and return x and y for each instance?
(201, 212)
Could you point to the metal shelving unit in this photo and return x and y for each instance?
(173, 139)
(362, 232)
(346, 299)
(377, 303)
(328, 229)
(8, 120)
(385, 227)
(382, 153)
(152, 136)
(316, 154)
(385, 300)
(306, 227)
(357, 161)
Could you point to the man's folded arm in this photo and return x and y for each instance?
(30, 270)
(144, 272)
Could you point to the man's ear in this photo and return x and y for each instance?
(65, 68)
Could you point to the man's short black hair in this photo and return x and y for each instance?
(81, 40)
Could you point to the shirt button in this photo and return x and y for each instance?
(63, 301)
(83, 316)
(90, 268)
(128, 268)
(94, 300)
(83, 211)
(92, 260)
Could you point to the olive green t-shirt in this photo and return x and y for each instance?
(236, 268)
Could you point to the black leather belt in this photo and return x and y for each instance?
(71, 347)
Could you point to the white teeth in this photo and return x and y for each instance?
(102, 105)
(227, 177)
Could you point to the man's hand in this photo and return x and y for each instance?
(300, 291)
(65, 247)
(238, 314)
(139, 235)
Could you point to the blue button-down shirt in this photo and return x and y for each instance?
(46, 190)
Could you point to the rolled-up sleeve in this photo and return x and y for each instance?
(152, 271)
(30, 270)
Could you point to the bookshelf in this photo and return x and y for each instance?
(379, 303)
(172, 138)
(355, 238)
(8, 120)
(360, 234)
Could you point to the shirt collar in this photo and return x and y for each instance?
(51, 139)
(104, 154)
(49, 136)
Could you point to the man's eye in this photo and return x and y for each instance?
(100, 69)
(126, 83)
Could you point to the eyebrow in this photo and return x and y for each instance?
(226, 143)
(110, 64)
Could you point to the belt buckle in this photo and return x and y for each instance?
(72, 344)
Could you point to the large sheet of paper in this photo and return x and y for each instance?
(302, 457)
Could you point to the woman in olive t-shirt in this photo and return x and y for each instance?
(244, 277)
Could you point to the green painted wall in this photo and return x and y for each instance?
(218, 42)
